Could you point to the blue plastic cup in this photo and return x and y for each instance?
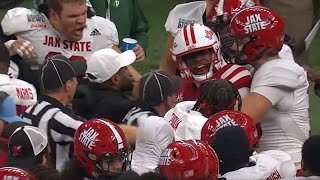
(128, 44)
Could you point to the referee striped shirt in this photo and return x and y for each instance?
(60, 124)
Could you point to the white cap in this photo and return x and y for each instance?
(105, 63)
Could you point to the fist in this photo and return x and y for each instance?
(23, 48)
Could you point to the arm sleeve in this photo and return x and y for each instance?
(165, 136)
(274, 94)
(140, 27)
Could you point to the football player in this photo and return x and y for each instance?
(278, 96)
(101, 151)
(215, 14)
(188, 117)
(23, 93)
(58, 27)
(197, 53)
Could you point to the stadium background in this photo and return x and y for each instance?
(156, 12)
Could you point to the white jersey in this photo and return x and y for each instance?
(33, 26)
(23, 93)
(286, 52)
(154, 135)
(135, 116)
(286, 126)
(269, 165)
(187, 124)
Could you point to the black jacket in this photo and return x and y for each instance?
(95, 101)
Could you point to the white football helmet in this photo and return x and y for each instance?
(194, 38)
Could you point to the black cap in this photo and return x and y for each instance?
(232, 147)
(58, 69)
(154, 88)
(24, 145)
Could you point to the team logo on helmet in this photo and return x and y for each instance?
(229, 118)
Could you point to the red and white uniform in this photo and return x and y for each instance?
(286, 126)
(33, 26)
(270, 165)
(23, 93)
(154, 135)
(238, 75)
(187, 124)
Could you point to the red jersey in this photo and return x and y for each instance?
(238, 75)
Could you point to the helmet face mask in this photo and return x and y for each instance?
(261, 32)
(101, 148)
(198, 63)
(113, 165)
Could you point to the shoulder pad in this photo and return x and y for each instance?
(184, 14)
(286, 53)
(287, 168)
(282, 73)
(106, 27)
(20, 19)
(179, 111)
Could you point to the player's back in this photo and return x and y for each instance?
(35, 27)
(269, 165)
(23, 93)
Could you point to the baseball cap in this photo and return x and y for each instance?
(25, 144)
(154, 88)
(58, 69)
(232, 147)
(8, 111)
(107, 62)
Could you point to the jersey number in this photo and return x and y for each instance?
(72, 58)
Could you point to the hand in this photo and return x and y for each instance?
(23, 48)
(312, 76)
(138, 50)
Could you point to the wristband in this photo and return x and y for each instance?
(9, 43)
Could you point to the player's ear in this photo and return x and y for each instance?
(53, 16)
(67, 86)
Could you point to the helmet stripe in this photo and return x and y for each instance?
(193, 37)
(220, 8)
(116, 134)
(185, 35)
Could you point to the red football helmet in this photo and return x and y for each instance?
(224, 10)
(15, 173)
(261, 31)
(229, 118)
(220, 15)
(98, 141)
(190, 159)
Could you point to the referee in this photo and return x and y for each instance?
(58, 81)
